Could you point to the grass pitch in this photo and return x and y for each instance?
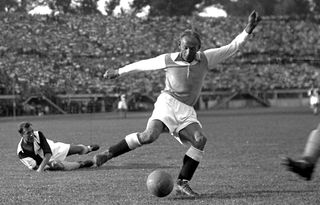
(241, 163)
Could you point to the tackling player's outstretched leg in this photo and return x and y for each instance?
(304, 166)
(40, 154)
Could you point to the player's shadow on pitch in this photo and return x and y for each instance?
(138, 166)
(244, 194)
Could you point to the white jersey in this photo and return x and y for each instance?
(122, 105)
(314, 96)
(184, 80)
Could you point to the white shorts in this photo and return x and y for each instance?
(174, 114)
(59, 150)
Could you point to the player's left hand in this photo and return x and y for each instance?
(253, 21)
(111, 74)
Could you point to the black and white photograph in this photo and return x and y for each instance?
(165, 102)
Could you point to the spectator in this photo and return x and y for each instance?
(313, 94)
(122, 106)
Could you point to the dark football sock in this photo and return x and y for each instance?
(188, 168)
(309, 160)
(119, 149)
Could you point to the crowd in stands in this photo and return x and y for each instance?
(69, 54)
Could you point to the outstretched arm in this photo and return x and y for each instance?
(44, 162)
(253, 21)
(144, 65)
(217, 55)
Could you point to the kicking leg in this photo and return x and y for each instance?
(131, 142)
(192, 133)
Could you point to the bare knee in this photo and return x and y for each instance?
(148, 137)
(200, 140)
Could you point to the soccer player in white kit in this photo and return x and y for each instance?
(173, 110)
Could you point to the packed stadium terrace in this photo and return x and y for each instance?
(68, 54)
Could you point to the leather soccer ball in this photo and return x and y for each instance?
(160, 183)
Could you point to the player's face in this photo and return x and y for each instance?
(28, 135)
(189, 46)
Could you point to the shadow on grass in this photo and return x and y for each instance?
(131, 166)
(253, 112)
(244, 194)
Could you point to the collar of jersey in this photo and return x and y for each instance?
(36, 144)
(177, 59)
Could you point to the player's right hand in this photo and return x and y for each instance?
(253, 21)
(111, 74)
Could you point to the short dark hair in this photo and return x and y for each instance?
(192, 33)
(23, 125)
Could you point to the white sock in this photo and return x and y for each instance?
(133, 141)
(195, 154)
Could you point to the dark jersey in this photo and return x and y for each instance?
(32, 159)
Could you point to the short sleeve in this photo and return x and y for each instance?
(29, 162)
